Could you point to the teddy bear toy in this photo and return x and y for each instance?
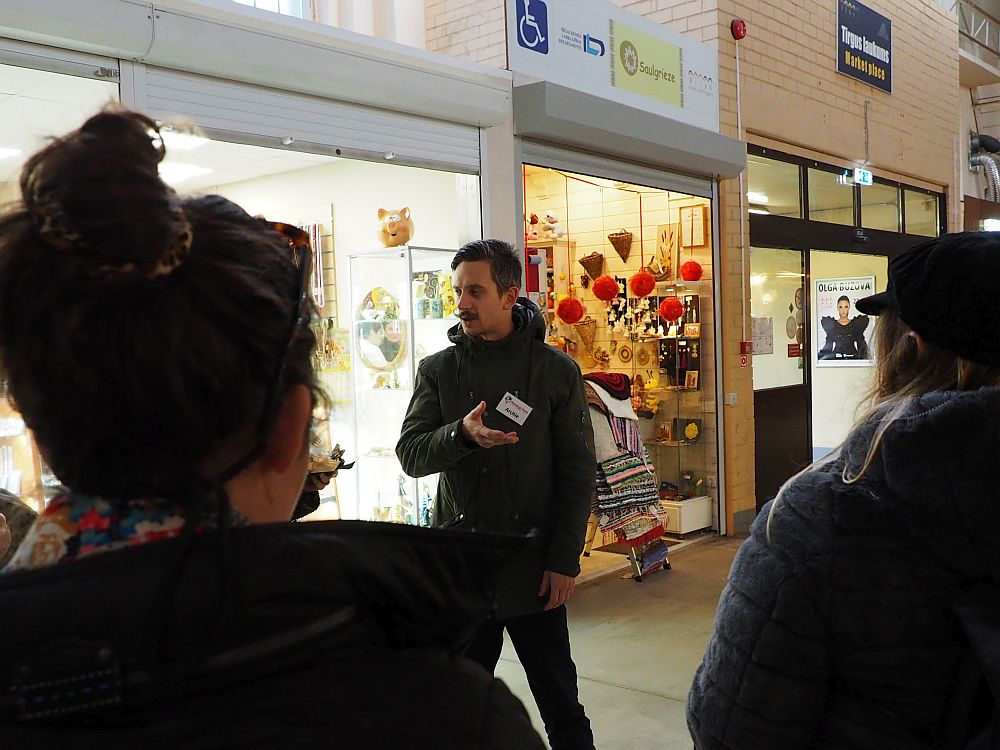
(395, 227)
(531, 230)
(553, 230)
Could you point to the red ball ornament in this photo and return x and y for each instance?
(691, 271)
(671, 309)
(642, 283)
(569, 310)
(605, 288)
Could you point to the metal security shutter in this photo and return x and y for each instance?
(242, 112)
(38, 57)
(600, 166)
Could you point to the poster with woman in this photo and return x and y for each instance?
(843, 336)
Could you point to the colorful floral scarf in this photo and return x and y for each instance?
(75, 526)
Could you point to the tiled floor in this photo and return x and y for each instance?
(636, 647)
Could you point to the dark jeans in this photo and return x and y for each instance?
(542, 645)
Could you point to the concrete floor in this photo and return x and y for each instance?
(637, 646)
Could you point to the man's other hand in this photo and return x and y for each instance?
(558, 587)
(476, 432)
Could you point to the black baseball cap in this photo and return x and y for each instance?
(948, 290)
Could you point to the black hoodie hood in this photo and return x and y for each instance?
(529, 323)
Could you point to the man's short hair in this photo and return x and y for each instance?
(505, 265)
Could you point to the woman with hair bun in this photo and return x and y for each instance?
(159, 349)
(847, 621)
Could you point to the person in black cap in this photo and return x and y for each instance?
(845, 336)
(837, 627)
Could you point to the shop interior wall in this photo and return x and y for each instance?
(775, 276)
(589, 210)
(354, 191)
(837, 392)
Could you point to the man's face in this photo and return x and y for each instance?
(481, 308)
(843, 308)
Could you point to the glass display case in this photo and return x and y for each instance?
(402, 305)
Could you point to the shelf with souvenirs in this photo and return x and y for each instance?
(402, 305)
(637, 302)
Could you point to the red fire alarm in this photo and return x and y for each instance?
(738, 28)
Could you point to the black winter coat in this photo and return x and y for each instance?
(837, 631)
(337, 634)
(545, 482)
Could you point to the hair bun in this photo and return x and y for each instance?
(97, 195)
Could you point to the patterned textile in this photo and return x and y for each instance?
(75, 526)
(618, 385)
(627, 437)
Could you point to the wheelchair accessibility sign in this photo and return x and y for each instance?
(533, 25)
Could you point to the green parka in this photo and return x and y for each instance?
(544, 482)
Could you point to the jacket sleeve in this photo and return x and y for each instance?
(573, 467)
(764, 680)
(427, 445)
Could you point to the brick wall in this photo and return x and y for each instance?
(468, 29)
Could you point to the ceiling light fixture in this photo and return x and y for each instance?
(755, 197)
(178, 140)
(173, 173)
(6, 153)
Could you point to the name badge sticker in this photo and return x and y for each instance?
(514, 408)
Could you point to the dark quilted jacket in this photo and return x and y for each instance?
(838, 631)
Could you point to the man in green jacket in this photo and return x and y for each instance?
(503, 418)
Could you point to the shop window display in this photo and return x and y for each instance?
(366, 342)
(624, 273)
(36, 105)
(386, 303)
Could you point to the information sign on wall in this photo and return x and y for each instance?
(864, 44)
(597, 47)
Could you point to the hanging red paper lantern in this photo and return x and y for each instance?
(605, 288)
(691, 271)
(642, 283)
(671, 309)
(569, 310)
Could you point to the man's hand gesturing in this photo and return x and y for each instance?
(476, 432)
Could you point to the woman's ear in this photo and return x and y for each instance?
(289, 435)
(918, 340)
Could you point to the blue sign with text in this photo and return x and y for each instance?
(864, 44)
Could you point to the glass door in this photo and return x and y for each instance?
(778, 308)
(841, 356)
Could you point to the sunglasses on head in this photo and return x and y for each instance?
(300, 249)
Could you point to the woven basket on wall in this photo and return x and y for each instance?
(587, 328)
(622, 243)
(593, 264)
